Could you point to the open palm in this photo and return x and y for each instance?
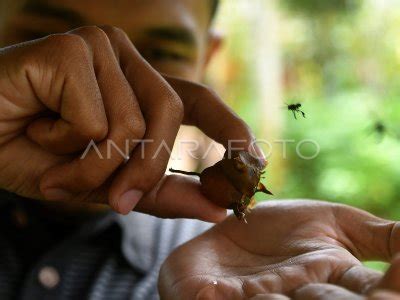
(300, 249)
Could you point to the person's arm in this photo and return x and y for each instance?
(59, 93)
(288, 250)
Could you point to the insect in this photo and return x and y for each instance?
(380, 130)
(379, 127)
(295, 108)
(232, 182)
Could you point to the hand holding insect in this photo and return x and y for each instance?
(61, 92)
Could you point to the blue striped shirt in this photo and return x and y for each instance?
(108, 257)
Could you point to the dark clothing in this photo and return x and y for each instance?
(104, 257)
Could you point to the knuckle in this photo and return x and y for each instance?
(97, 131)
(114, 32)
(134, 128)
(71, 49)
(93, 32)
(68, 42)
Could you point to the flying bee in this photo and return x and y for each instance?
(380, 130)
(379, 127)
(295, 109)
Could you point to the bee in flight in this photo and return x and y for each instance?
(295, 109)
(380, 130)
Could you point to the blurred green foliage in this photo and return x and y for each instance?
(355, 164)
(344, 68)
(345, 71)
(341, 60)
(318, 7)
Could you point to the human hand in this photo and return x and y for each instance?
(61, 92)
(289, 249)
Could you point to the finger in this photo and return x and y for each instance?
(126, 126)
(366, 236)
(73, 93)
(162, 110)
(205, 110)
(359, 279)
(391, 279)
(180, 197)
(174, 197)
(322, 291)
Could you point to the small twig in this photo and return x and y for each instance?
(184, 172)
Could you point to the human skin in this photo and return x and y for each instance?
(24, 164)
(289, 249)
(100, 87)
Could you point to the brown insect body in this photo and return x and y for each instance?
(232, 182)
(218, 188)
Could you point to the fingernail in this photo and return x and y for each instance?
(256, 151)
(128, 201)
(56, 194)
(260, 153)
